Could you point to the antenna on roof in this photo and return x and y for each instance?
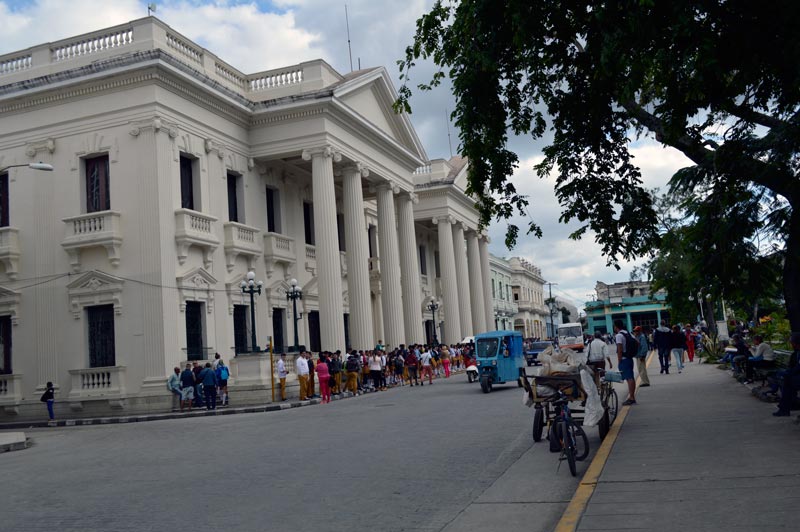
(349, 50)
(151, 8)
(449, 142)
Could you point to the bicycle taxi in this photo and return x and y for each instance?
(499, 358)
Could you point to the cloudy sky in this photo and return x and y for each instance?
(259, 35)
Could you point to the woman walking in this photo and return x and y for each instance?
(445, 356)
(324, 379)
(678, 345)
(690, 334)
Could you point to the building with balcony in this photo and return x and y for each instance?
(517, 296)
(632, 302)
(175, 175)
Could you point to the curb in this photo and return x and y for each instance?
(13, 441)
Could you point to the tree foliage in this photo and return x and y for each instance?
(718, 80)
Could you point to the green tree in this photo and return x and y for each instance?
(718, 80)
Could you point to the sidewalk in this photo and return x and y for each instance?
(699, 452)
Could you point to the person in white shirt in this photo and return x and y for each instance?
(763, 357)
(598, 353)
(282, 375)
(301, 364)
(426, 360)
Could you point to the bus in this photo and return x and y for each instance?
(570, 335)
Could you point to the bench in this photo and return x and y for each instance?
(765, 374)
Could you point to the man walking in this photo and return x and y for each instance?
(426, 359)
(662, 337)
(641, 356)
(282, 373)
(625, 356)
(301, 365)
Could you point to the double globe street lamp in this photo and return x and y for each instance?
(293, 294)
(433, 306)
(252, 287)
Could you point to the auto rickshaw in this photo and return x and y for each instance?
(500, 358)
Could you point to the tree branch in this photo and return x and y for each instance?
(751, 115)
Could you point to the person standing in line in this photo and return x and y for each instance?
(352, 368)
(375, 370)
(49, 397)
(198, 384)
(625, 360)
(301, 365)
(188, 382)
(678, 345)
(426, 360)
(223, 373)
(399, 364)
(209, 380)
(663, 340)
(412, 363)
(174, 385)
(215, 362)
(445, 356)
(335, 369)
(324, 379)
(312, 392)
(641, 356)
(282, 373)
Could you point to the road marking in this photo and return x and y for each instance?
(574, 511)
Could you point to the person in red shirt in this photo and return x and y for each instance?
(324, 378)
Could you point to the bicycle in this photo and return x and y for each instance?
(571, 436)
(610, 402)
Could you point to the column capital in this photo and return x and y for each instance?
(443, 220)
(353, 167)
(411, 196)
(384, 185)
(321, 151)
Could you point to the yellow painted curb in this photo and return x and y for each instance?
(572, 515)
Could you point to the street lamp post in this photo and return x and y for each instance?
(34, 166)
(252, 287)
(293, 294)
(433, 306)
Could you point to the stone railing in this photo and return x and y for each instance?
(94, 229)
(194, 228)
(311, 252)
(10, 392)
(241, 239)
(151, 34)
(9, 250)
(97, 383)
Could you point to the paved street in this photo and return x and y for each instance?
(441, 457)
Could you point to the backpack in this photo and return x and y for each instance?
(398, 362)
(352, 364)
(631, 345)
(224, 373)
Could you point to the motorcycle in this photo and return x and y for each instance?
(472, 370)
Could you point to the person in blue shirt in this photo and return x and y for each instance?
(791, 379)
(209, 380)
(187, 387)
(222, 372)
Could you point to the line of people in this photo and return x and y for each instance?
(197, 385)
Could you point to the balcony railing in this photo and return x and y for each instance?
(241, 239)
(97, 383)
(194, 228)
(9, 250)
(151, 34)
(278, 249)
(10, 392)
(95, 229)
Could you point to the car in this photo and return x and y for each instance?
(533, 351)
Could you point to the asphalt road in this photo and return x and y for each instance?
(442, 457)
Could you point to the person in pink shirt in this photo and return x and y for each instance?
(323, 378)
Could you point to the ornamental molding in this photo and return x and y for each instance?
(210, 145)
(196, 285)
(443, 220)
(288, 116)
(94, 144)
(9, 304)
(47, 145)
(155, 125)
(95, 288)
(322, 151)
(354, 167)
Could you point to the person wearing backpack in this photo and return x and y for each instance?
(399, 364)
(223, 373)
(49, 397)
(627, 349)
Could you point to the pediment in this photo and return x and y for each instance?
(197, 278)
(95, 281)
(371, 96)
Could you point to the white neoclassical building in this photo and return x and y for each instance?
(174, 175)
(517, 296)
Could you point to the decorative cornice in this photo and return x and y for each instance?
(48, 145)
(215, 146)
(289, 115)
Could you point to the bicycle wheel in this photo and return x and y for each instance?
(538, 424)
(603, 425)
(613, 405)
(580, 442)
(568, 447)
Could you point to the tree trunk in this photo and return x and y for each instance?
(791, 271)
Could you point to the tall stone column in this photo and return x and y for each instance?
(447, 260)
(390, 267)
(355, 234)
(326, 238)
(462, 277)
(412, 311)
(476, 283)
(483, 245)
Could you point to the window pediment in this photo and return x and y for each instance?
(95, 288)
(196, 285)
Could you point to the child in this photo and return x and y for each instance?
(49, 397)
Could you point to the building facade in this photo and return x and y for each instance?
(517, 296)
(504, 307)
(175, 175)
(632, 302)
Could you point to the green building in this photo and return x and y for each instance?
(632, 302)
